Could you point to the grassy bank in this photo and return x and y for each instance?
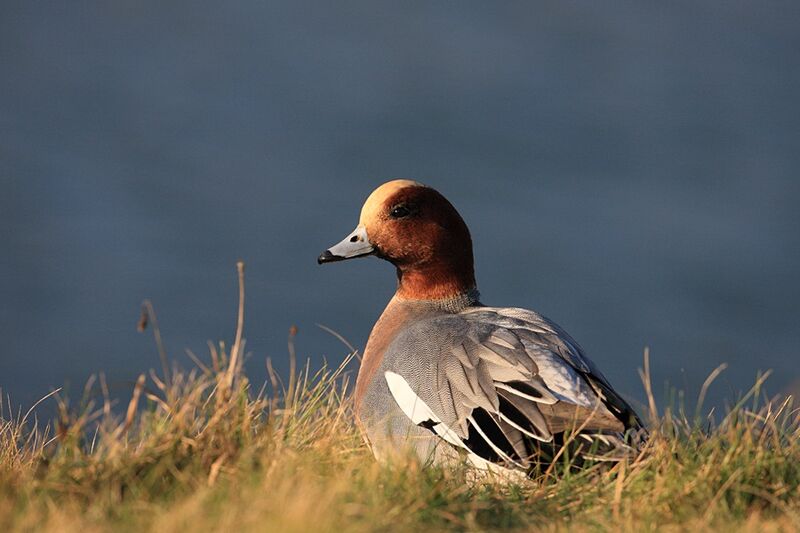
(199, 454)
(206, 450)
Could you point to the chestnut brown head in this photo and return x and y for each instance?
(416, 229)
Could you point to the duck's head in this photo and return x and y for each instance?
(416, 229)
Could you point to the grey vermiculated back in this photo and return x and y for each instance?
(493, 360)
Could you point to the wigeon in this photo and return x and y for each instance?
(503, 386)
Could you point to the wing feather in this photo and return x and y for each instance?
(508, 375)
(533, 390)
(492, 444)
(525, 415)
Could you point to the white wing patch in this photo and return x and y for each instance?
(418, 412)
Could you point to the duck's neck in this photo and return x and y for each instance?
(452, 285)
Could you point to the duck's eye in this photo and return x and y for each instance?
(399, 211)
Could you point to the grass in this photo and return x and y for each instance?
(206, 450)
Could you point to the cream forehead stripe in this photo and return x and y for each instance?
(374, 204)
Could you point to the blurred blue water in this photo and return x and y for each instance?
(630, 170)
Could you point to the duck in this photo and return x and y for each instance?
(450, 378)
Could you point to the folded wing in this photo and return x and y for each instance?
(510, 385)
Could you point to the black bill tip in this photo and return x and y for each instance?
(328, 257)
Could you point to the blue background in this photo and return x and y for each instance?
(630, 169)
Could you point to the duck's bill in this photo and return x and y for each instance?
(354, 245)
